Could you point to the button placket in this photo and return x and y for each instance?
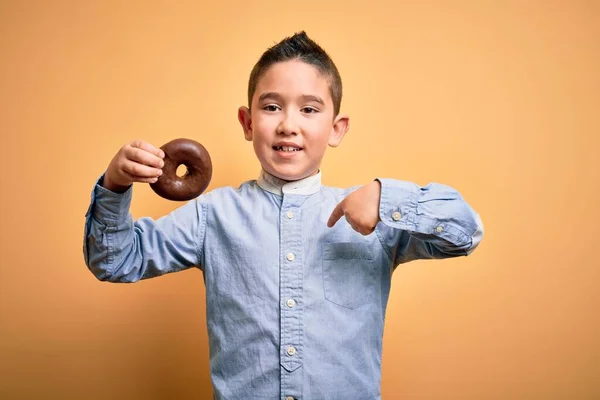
(291, 279)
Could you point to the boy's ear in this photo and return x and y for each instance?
(341, 124)
(246, 122)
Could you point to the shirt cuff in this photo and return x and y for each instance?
(108, 207)
(399, 209)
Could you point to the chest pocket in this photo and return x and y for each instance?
(349, 278)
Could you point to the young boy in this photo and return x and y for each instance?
(295, 294)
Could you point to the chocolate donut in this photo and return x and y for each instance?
(199, 171)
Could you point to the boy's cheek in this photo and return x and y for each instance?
(262, 125)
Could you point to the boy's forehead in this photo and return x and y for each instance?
(293, 78)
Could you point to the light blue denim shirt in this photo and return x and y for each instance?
(295, 310)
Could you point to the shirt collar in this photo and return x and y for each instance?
(306, 186)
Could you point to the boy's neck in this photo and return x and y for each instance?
(305, 186)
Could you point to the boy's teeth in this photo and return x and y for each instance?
(286, 148)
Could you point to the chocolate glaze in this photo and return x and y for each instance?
(199, 171)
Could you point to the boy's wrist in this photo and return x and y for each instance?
(108, 184)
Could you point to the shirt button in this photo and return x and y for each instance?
(439, 229)
(290, 256)
(290, 303)
(290, 214)
(291, 350)
(396, 216)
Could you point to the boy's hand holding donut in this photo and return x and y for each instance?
(137, 161)
(361, 209)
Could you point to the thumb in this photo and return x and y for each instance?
(338, 212)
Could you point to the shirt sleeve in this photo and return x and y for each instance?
(118, 249)
(427, 222)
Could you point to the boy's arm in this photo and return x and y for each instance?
(117, 249)
(433, 221)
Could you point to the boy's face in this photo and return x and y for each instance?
(292, 122)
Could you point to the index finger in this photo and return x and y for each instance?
(140, 144)
(337, 213)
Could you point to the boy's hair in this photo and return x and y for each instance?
(299, 47)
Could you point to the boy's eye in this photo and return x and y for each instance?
(309, 110)
(270, 107)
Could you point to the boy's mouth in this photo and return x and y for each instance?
(287, 149)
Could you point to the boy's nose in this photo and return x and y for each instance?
(287, 126)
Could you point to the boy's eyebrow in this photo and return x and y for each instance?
(277, 96)
(310, 97)
(269, 95)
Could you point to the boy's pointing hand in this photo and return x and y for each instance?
(361, 209)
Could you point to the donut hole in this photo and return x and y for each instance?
(181, 170)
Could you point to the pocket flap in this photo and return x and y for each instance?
(346, 251)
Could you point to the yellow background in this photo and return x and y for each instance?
(499, 99)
